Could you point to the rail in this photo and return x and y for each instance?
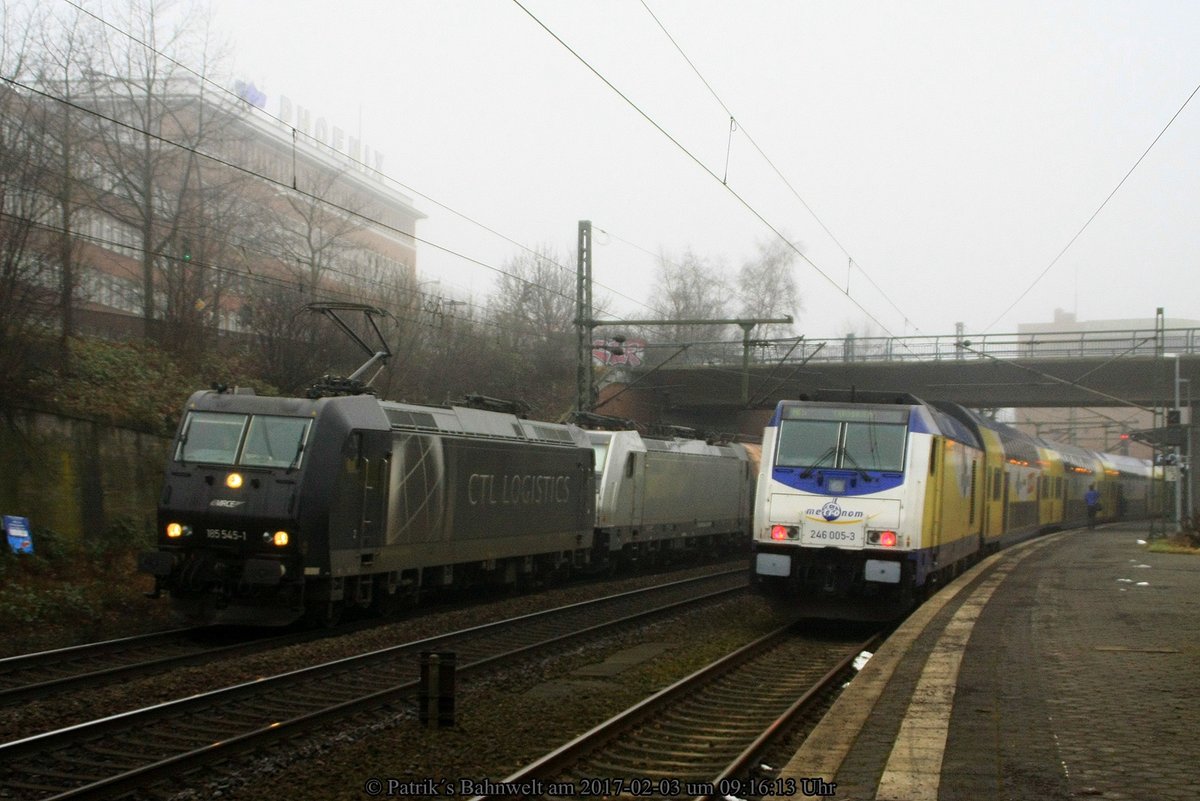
(142, 746)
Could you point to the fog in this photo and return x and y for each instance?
(949, 151)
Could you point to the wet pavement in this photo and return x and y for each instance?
(1067, 667)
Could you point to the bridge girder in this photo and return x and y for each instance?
(978, 383)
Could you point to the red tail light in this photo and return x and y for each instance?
(887, 539)
(779, 532)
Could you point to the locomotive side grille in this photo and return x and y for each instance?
(401, 418)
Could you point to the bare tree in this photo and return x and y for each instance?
(28, 277)
(404, 326)
(313, 255)
(533, 311)
(691, 288)
(534, 300)
(459, 353)
(153, 121)
(273, 313)
(766, 287)
(66, 52)
(312, 235)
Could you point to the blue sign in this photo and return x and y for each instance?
(17, 529)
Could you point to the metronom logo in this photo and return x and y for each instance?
(832, 511)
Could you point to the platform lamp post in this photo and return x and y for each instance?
(1188, 507)
(1174, 418)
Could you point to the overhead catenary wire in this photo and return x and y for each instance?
(737, 125)
(295, 132)
(1095, 213)
(450, 251)
(696, 160)
(287, 187)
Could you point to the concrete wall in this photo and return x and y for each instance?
(78, 476)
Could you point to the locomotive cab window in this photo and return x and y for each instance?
(254, 441)
(211, 437)
(874, 447)
(846, 439)
(601, 451)
(274, 441)
(601, 442)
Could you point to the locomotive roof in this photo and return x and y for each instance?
(366, 411)
(479, 422)
(636, 441)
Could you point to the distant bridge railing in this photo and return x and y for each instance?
(1042, 345)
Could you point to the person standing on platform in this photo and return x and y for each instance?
(1091, 499)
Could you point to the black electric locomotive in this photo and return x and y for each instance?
(277, 507)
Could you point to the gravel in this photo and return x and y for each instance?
(505, 720)
(77, 707)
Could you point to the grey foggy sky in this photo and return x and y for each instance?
(953, 148)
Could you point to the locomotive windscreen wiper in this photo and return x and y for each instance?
(847, 457)
(296, 458)
(808, 471)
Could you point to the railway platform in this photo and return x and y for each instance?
(1067, 667)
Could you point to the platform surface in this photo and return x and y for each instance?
(1067, 667)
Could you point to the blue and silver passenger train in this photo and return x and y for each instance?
(864, 505)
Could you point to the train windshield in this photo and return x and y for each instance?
(600, 444)
(253, 440)
(842, 439)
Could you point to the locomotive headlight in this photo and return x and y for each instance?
(280, 539)
(174, 530)
(233, 480)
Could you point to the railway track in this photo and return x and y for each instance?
(700, 737)
(30, 676)
(120, 753)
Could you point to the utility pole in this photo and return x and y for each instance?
(746, 324)
(585, 325)
(583, 319)
(1159, 474)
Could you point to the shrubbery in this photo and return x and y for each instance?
(133, 384)
(66, 592)
(74, 590)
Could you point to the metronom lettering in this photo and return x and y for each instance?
(517, 490)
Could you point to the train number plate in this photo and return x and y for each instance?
(225, 534)
(851, 536)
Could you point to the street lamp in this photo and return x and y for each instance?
(1178, 420)
(1188, 504)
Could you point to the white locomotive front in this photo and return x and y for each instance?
(858, 504)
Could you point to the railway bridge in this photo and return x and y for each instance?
(733, 386)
